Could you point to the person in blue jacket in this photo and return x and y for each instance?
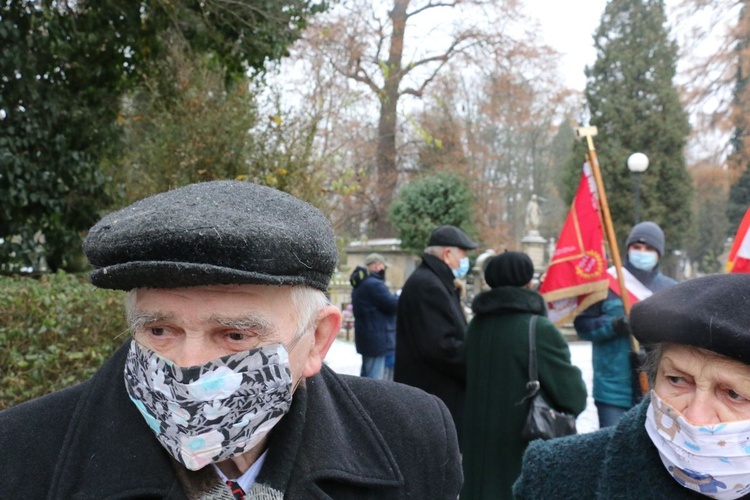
(374, 308)
(604, 324)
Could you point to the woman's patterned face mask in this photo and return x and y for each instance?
(209, 413)
(713, 460)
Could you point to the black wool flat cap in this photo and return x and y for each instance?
(451, 236)
(213, 233)
(712, 312)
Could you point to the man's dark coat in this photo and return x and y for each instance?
(345, 437)
(430, 330)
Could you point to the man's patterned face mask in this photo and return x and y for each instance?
(209, 413)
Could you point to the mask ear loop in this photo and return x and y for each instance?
(293, 344)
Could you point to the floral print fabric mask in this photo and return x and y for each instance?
(711, 459)
(212, 412)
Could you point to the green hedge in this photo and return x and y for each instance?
(55, 331)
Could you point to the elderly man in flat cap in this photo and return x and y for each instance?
(690, 438)
(606, 327)
(221, 392)
(374, 308)
(430, 322)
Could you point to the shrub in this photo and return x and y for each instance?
(54, 332)
(429, 202)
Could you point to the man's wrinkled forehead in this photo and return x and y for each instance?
(241, 307)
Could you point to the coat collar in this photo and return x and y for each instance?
(632, 463)
(110, 452)
(508, 299)
(440, 269)
(328, 436)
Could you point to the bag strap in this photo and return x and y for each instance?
(533, 384)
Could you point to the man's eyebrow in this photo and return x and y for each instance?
(253, 322)
(137, 319)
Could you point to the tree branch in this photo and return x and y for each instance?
(430, 5)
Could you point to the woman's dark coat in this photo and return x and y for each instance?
(344, 437)
(619, 462)
(497, 352)
(430, 331)
(374, 308)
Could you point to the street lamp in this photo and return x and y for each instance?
(637, 163)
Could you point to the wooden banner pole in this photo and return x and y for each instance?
(588, 133)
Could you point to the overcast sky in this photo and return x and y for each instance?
(569, 31)
(568, 27)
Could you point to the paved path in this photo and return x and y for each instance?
(343, 358)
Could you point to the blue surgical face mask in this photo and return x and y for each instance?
(643, 260)
(463, 268)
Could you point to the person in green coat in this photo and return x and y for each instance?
(497, 360)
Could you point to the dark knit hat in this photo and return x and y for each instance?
(649, 233)
(709, 312)
(509, 269)
(451, 236)
(212, 233)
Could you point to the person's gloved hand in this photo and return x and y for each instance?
(621, 325)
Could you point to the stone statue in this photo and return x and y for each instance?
(533, 216)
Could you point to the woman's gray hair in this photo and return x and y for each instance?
(654, 353)
(306, 301)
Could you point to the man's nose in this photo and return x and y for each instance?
(194, 350)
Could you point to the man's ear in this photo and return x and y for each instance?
(444, 255)
(329, 324)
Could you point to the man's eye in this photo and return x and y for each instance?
(157, 332)
(237, 336)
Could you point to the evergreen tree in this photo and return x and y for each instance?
(739, 159)
(64, 69)
(429, 202)
(739, 201)
(636, 107)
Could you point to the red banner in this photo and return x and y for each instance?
(739, 256)
(577, 275)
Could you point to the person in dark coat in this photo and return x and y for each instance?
(497, 361)
(689, 437)
(606, 327)
(374, 309)
(430, 322)
(221, 391)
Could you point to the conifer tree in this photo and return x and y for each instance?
(739, 159)
(636, 107)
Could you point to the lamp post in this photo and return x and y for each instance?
(637, 163)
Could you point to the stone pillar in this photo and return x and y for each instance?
(534, 245)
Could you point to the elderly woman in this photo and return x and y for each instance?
(497, 361)
(691, 437)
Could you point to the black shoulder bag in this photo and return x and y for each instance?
(543, 421)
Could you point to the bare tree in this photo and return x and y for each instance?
(383, 49)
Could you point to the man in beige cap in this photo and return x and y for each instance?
(374, 316)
